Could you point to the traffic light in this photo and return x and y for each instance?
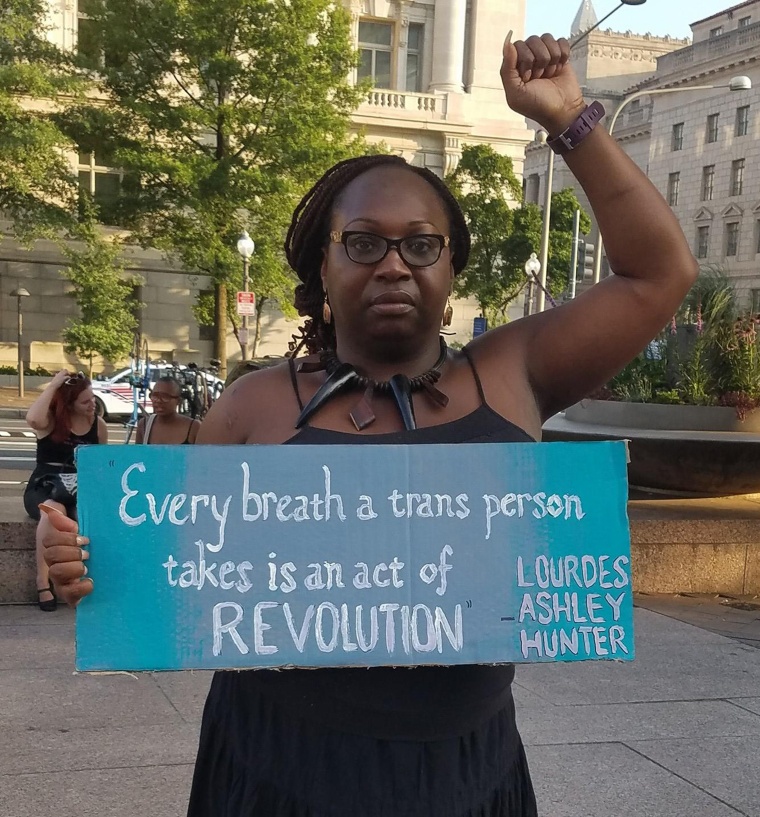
(584, 269)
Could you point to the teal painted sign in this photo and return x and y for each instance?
(273, 556)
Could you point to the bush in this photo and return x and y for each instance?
(710, 355)
(38, 371)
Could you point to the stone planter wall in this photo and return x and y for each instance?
(662, 417)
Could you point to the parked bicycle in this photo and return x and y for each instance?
(140, 381)
(199, 388)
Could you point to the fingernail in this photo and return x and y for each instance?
(508, 40)
(82, 540)
(46, 509)
(85, 571)
(85, 555)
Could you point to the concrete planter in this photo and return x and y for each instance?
(662, 417)
(30, 381)
(694, 450)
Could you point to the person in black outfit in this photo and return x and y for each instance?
(376, 243)
(63, 418)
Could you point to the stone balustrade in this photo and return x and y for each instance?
(428, 106)
(730, 42)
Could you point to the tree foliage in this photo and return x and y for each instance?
(504, 235)
(220, 114)
(106, 302)
(38, 189)
(485, 185)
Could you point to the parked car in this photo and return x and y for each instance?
(114, 395)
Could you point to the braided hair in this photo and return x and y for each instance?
(309, 229)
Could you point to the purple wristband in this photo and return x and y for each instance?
(573, 135)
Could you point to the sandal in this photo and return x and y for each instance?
(50, 605)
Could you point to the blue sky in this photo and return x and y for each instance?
(659, 17)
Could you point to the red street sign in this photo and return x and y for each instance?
(246, 303)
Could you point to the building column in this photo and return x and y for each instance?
(448, 45)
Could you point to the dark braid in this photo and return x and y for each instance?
(308, 233)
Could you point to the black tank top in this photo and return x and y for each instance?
(61, 454)
(422, 703)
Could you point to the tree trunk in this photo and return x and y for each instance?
(220, 315)
(257, 334)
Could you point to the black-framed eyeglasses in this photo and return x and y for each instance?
(74, 379)
(162, 397)
(421, 250)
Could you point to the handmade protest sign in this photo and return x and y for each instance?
(274, 556)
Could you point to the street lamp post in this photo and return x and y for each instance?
(542, 136)
(245, 248)
(606, 16)
(532, 269)
(19, 294)
(734, 84)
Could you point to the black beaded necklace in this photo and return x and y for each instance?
(342, 376)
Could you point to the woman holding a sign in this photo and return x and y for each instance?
(376, 244)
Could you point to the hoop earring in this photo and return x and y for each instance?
(448, 313)
(326, 311)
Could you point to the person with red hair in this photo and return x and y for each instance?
(63, 418)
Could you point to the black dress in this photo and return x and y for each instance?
(55, 474)
(379, 742)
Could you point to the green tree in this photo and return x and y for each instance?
(220, 114)
(503, 235)
(486, 187)
(38, 190)
(106, 302)
(525, 238)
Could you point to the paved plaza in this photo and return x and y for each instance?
(674, 734)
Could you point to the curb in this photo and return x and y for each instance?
(7, 413)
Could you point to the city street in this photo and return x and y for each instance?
(17, 447)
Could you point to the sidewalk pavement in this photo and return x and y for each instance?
(13, 407)
(675, 734)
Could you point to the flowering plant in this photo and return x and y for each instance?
(708, 355)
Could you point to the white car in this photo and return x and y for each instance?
(114, 396)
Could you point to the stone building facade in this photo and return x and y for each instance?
(699, 147)
(435, 65)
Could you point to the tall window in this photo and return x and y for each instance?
(703, 241)
(756, 301)
(102, 182)
(206, 331)
(737, 177)
(375, 51)
(635, 112)
(677, 140)
(674, 183)
(742, 120)
(533, 188)
(712, 127)
(732, 238)
(708, 182)
(716, 32)
(89, 46)
(135, 303)
(414, 57)
(744, 22)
